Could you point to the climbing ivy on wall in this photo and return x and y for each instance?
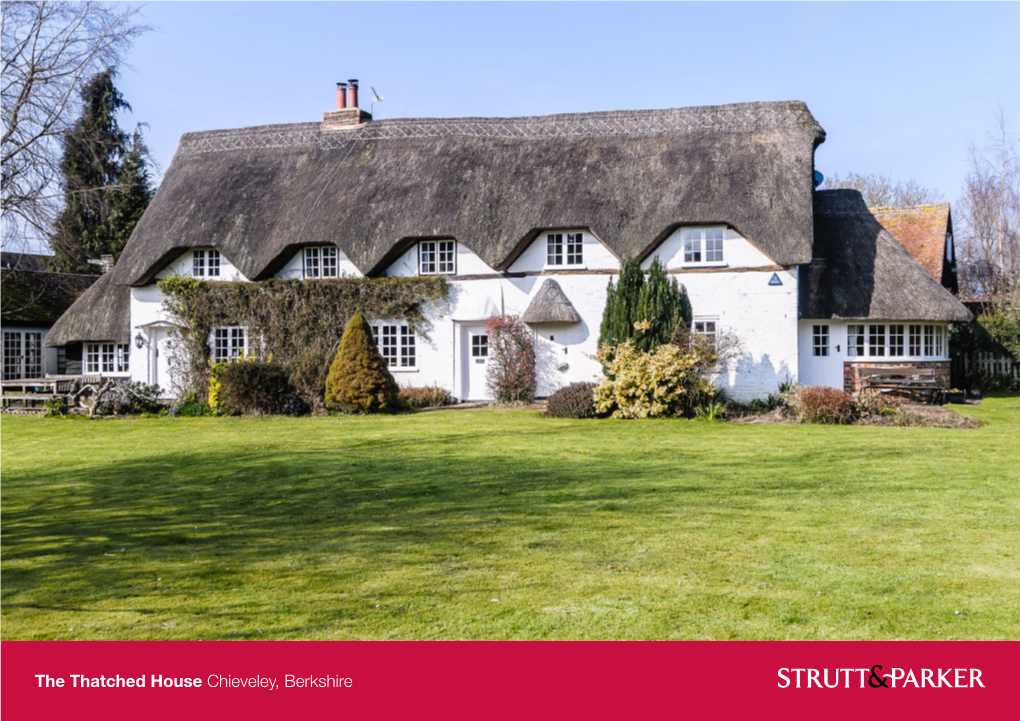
(298, 323)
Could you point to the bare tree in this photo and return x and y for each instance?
(50, 49)
(881, 191)
(989, 217)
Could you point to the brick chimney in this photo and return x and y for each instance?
(347, 114)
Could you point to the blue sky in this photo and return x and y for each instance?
(901, 88)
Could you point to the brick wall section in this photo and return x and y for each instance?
(852, 376)
(345, 118)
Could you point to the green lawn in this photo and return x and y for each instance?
(508, 525)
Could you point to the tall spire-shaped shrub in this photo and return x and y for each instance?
(358, 380)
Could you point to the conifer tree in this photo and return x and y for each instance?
(659, 302)
(358, 380)
(105, 178)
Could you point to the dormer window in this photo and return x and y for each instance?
(205, 263)
(703, 246)
(565, 249)
(321, 261)
(437, 257)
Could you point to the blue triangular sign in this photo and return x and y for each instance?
(774, 280)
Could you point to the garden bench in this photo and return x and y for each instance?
(906, 380)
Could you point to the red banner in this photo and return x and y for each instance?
(196, 680)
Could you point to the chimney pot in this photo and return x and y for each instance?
(352, 93)
(341, 96)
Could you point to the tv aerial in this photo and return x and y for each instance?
(376, 98)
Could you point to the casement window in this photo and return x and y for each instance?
(321, 261)
(107, 358)
(706, 331)
(895, 341)
(820, 340)
(876, 340)
(915, 340)
(396, 344)
(565, 249)
(703, 246)
(205, 263)
(437, 257)
(229, 342)
(855, 340)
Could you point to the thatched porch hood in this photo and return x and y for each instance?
(631, 177)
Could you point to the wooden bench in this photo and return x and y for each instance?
(907, 380)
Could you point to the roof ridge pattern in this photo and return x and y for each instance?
(718, 118)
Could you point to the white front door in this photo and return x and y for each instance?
(159, 345)
(474, 352)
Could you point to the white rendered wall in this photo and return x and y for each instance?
(182, 266)
(738, 252)
(295, 268)
(595, 255)
(467, 263)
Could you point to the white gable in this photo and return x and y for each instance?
(738, 252)
(295, 267)
(595, 255)
(467, 261)
(184, 266)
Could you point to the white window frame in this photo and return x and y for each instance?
(23, 354)
(397, 344)
(695, 250)
(223, 342)
(206, 263)
(437, 257)
(320, 261)
(564, 250)
(820, 340)
(704, 332)
(901, 341)
(106, 358)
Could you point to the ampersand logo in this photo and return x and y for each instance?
(875, 677)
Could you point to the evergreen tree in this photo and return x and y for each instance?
(660, 303)
(106, 181)
(358, 380)
(132, 196)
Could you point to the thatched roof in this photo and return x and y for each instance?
(921, 229)
(551, 305)
(102, 313)
(860, 271)
(32, 295)
(631, 177)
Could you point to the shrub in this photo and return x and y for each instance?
(427, 397)
(511, 373)
(358, 379)
(253, 388)
(666, 382)
(868, 404)
(817, 404)
(55, 407)
(712, 411)
(574, 401)
(295, 405)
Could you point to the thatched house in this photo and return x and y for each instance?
(31, 300)
(528, 216)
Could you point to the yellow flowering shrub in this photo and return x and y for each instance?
(668, 382)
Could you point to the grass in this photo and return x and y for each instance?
(508, 525)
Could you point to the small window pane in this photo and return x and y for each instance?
(555, 248)
(575, 248)
(198, 263)
(820, 340)
(896, 340)
(876, 340)
(214, 262)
